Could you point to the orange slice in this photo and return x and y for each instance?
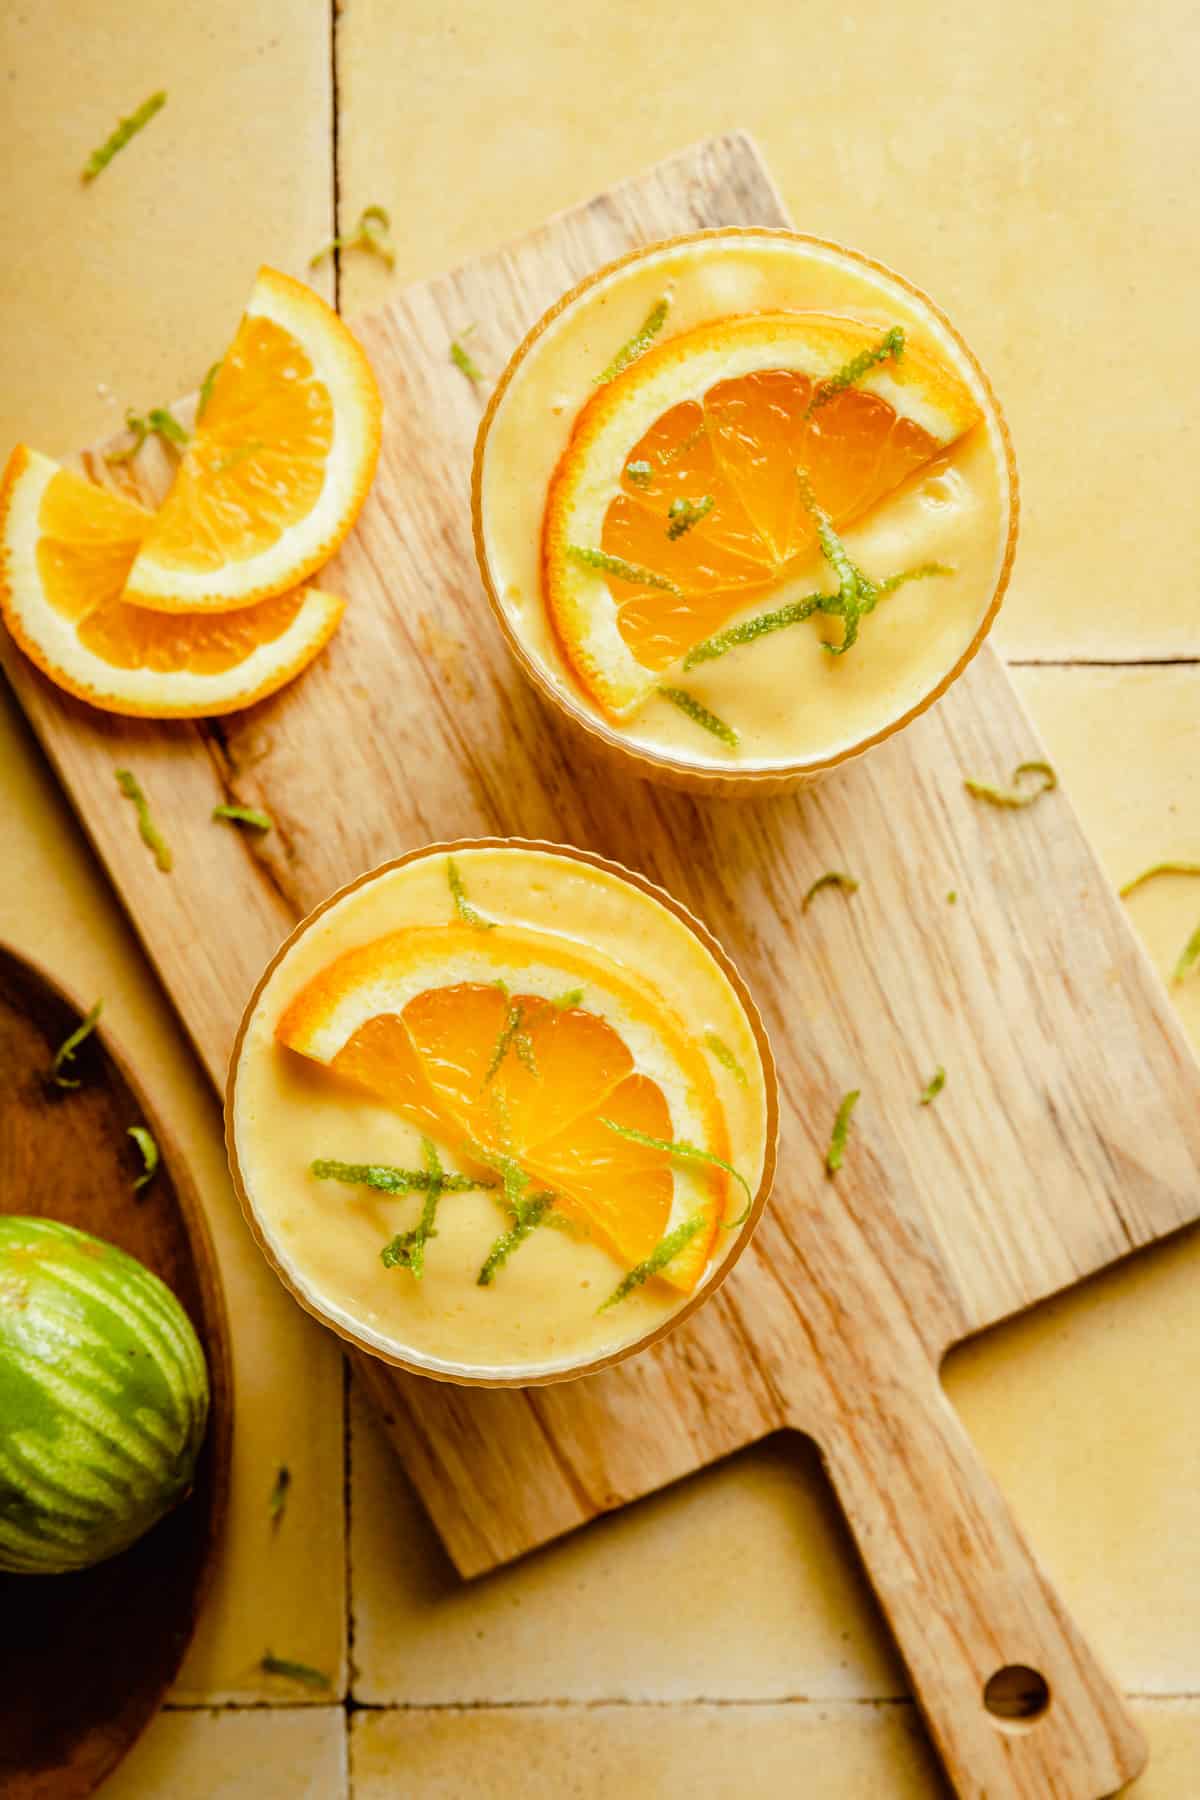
(65, 550)
(722, 417)
(276, 474)
(419, 1019)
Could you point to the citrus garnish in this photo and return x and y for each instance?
(460, 1032)
(280, 464)
(65, 550)
(726, 413)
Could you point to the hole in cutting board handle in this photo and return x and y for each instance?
(1016, 1695)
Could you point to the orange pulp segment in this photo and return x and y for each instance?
(723, 417)
(378, 1016)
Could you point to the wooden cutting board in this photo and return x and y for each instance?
(1068, 1133)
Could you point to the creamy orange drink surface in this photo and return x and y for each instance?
(499, 1113)
(744, 502)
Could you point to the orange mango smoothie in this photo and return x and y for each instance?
(500, 1113)
(744, 502)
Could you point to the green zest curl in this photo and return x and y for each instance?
(1157, 869)
(841, 1131)
(277, 1504)
(664, 1252)
(462, 905)
(831, 878)
(724, 1055)
(568, 1001)
(371, 233)
(1189, 956)
(682, 1151)
(66, 1050)
(158, 420)
(683, 514)
(624, 571)
(890, 347)
(639, 343)
(529, 1218)
(386, 1179)
(244, 815)
(206, 388)
(150, 835)
(150, 1158)
(1014, 796)
(117, 139)
(295, 1671)
(407, 1249)
(639, 473)
(462, 359)
(514, 1035)
(700, 715)
(936, 1084)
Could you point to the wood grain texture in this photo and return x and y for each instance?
(1068, 1133)
(87, 1657)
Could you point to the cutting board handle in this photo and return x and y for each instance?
(1017, 1704)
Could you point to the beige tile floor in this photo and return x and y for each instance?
(1032, 166)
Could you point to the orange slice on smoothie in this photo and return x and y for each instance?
(283, 455)
(677, 503)
(514, 1046)
(66, 548)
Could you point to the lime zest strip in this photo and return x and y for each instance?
(683, 514)
(683, 1151)
(724, 1055)
(1157, 869)
(244, 815)
(206, 388)
(120, 135)
(159, 420)
(855, 594)
(700, 715)
(831, 878)
(462, 359)
(144, 1140)
(407, 1248)
(937, 1082)
(513, 1034)
(150, 835)
(796, 611)
(1189, 956)
(664, 1252)
(639, 343)
(624, 571)
(277, 1504)
(66, 1050)
(386, 1178)
(304, 1673)
(462, 906)
(841, 1131)
(639, 473)
(889, 347)
(532, 1212)
(569, 1001)
(371, 233)
(1013, 796)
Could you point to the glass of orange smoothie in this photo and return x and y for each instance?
(501, 1113)
(744, 505)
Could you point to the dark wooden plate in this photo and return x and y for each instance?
(86, 1658)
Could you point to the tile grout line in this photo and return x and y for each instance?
(335, 151)
(609, 1702)
(1100, 662)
